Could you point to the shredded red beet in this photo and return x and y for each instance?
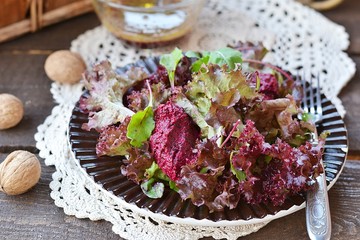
(173, 139)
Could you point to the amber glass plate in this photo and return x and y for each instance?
(105, 171)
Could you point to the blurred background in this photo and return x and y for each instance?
(18, 17)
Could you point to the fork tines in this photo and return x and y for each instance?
(312, 97)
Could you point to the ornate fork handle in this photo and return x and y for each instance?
(318, 217)
(318, 211)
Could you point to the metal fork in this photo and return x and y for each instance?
(318, 219)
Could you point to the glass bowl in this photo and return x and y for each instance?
(148, 23)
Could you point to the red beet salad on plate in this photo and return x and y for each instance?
(217, 127)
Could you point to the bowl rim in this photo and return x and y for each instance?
(167, 7)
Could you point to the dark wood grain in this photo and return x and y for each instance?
(28, 82)
(34, 215)
(350, 97)
(22, 74)
(348, 15)
(58, 36)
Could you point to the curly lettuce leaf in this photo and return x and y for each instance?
(222, 118)
(212, 95)
(209, 99)
(136, 164)
(211, 155)
(139, 100)
(199, 187)
(278, 118)
(291, 169)
(182, 101)
(215, 81)
(113, 141)
(105, 100)
(143, 170)
(209, 181)
(249, 50)
(228, 98)
(290, 127)
(272, 172)
(229, 193)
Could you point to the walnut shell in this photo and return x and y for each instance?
(19, 172)
(11, 111)
(64, 67)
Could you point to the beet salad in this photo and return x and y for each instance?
(218, 127)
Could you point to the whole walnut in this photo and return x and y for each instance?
(19, 172)
(64, 67)
(11, 111)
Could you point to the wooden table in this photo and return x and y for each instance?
(34, 215)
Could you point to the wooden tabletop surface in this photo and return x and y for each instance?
(34, 215)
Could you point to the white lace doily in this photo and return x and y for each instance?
(299, 38)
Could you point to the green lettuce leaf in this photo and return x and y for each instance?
(221, 87)
(141, 126)
(216, 81)
(170, 61)
(152, 189)
(201, 59)
(192, 54)
(154, 172)
(228, 98)
(228, 57)
(239, 174)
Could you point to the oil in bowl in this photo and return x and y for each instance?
(148, 23)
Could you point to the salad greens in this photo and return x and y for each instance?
(170, 62)
(217, 127)
(228, 57)
(152, 189)
(113, 140)
(141, 126)
(240, 175)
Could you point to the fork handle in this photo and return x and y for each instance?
(318, 219)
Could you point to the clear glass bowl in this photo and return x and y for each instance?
(148, 23)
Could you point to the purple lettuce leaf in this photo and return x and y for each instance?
(197, 186)
(105, 100)
(273, 172)
(139, 100)
(112, 140)
(138, 161)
